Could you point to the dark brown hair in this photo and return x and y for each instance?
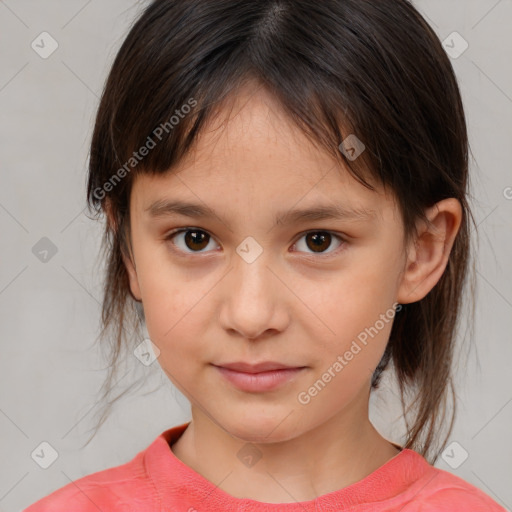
(338, 67)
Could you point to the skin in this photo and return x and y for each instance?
(206, 304)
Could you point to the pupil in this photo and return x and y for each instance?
(197, 237)
(318, 240)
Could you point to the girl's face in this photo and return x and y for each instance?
(235, 286)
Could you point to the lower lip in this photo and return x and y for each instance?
(258, 382)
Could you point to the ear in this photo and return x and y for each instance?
(429, 252)
(129, 264)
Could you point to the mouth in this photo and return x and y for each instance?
(257, 378)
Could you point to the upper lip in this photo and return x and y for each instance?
(265, 366)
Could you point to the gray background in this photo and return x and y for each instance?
(49, 311)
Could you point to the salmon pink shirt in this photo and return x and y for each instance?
(155, 480)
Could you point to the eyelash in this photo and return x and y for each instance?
(310, 255)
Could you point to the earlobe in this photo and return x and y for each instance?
(429, 253)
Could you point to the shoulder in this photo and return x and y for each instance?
(118, 488)
(442, 491)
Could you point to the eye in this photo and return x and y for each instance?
(318, 241)
(195, 239)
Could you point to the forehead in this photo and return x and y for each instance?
(251, 155)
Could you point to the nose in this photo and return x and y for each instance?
(254, 300)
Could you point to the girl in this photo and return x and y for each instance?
(285, 187)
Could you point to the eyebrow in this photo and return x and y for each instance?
(165, 208)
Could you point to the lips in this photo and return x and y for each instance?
(260, 377)
(266, 366)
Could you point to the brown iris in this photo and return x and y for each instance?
(198, 239)
(320, 240)
(317, 241)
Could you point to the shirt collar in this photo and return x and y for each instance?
(171, 476)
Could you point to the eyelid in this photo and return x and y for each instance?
(176, 231)
(311, 255)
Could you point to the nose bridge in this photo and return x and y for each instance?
(252, 278)
(252, 299)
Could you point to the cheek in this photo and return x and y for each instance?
(355, 297)
(171, 317)
(347, 359)
(166, 292)
(176, 317)
(357, 308)
(166, 298)
(172, 326)
(373, 280)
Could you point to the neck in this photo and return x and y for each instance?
(325, 459)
